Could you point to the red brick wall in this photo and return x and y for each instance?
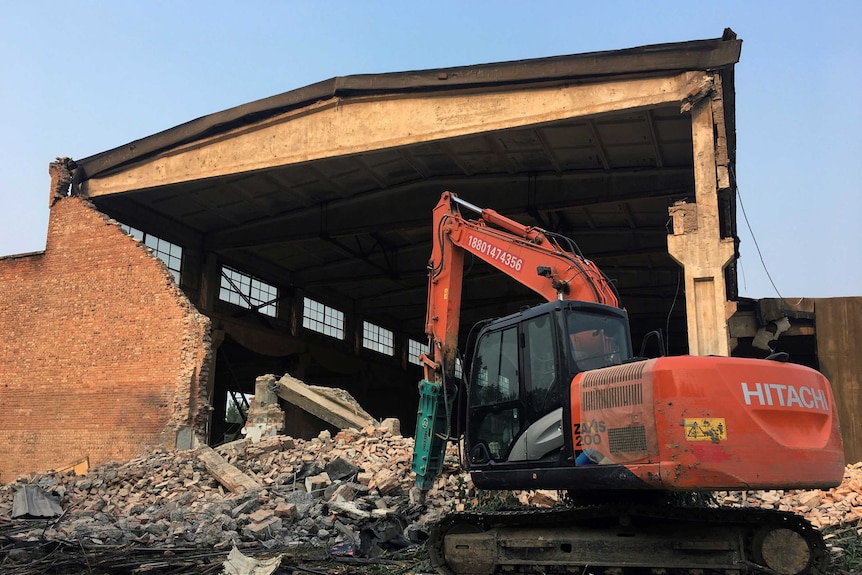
(101, 354)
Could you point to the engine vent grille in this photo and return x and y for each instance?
(616, 396)
(614, 374)
(627, 439)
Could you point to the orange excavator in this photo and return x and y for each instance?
(553, 398)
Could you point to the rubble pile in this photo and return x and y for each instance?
(349, 491)
(823, 508)
(349, 494)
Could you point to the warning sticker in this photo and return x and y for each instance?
(706, 429)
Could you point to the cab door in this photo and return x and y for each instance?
(516, 393)
(496, 411)
(544, 392)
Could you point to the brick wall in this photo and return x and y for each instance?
(101, 354)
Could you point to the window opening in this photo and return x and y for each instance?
(170, 254)
(414, 348)
(247, 291)
(322, 318)
(377, 338)
(236, 413)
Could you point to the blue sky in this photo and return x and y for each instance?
(78, 78)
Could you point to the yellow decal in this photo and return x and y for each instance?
(706, 429)
(445, 293)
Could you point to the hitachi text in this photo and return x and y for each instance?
(782, 395)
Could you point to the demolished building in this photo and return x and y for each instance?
(292, 234)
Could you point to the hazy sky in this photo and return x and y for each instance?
(78, 78)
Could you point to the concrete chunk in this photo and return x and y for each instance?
(263, 529)
(317, 483)
(340, 414)
(349, 509)
(286, 511)
(260, 515)
(225, 473)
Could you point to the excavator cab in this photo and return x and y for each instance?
(555, 400)
(519, 383)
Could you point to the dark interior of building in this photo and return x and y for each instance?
(353, 232)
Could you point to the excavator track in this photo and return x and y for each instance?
(628, 540)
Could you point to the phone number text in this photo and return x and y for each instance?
(494, 252)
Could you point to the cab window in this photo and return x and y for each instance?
(496, 414)
(496, 368)
(542, 382)
(596, 340)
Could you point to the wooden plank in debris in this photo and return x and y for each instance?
(332, 412)
(80, 467)
(225, 473)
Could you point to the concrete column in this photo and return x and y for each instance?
(265, 417)
(696, 243)
(210, 282)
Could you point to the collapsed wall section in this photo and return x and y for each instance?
(101, 354)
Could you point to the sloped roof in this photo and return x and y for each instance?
(349, 221)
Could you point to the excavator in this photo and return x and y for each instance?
(552, 397)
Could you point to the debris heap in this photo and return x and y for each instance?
(349, 494)
(823, 508)
(293, 492)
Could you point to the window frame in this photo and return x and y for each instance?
(383, 341)
(414, 348)
(249, 299)
(310, 323)
(155, 243)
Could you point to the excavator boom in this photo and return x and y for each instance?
(530, 255)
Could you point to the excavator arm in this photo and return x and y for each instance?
(532, 256)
